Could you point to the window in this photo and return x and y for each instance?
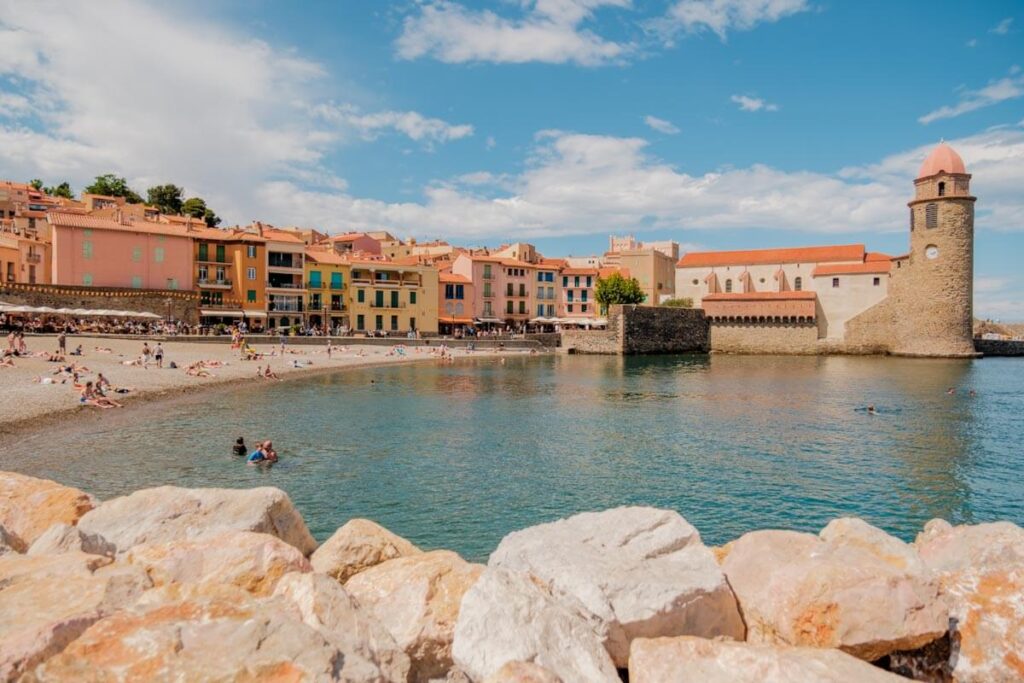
(694, 283)
(590, 281)
(204, 252)
(85, 233)
(336, 281)
(158, 254)
(583, 295)
(942, 189)
(576, 282)
(460, 291)
(551, 292)
(87, 249)
(250, 251)
(931, 216)
(568, 295)
(314, 278)
(835, 282)
(412, 298)
(550, 277)
(508, 307)
(728, 286)
(569, 308)
(378, 300)
(136, 282)
(911, 219)
(798, 283)
(220, 253)
(877, 281)
(394, 322)
(509, 289)
(361, 296)
(449, 291)
(540, 310)
(250, 296)
(221, 278)
(412, 323)
(203, 273)
(172, 283)
(540, 276)
(314, 301)
(565, 280)
(551, 311)
(380, 322)
(87, 279)
(487, 271)
(250, 273)
(522, 290)
(360, 322)
(583, 308)
(487, 289)
(394, 299)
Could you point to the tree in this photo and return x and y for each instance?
(62, 190)
(36, 183)
(197, 208)
(616, 289)
(685, 302)
(112, 186)
(168, 198)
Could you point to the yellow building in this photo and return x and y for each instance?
(327, 276)
(392, 296)
(230, 274)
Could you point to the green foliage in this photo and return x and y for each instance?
(36, 183)
(113, 186)
(685, 302)
(616, 289)
(197, 208)
(168, 198)
(62, 190)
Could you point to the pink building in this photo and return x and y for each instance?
(104, 252)
(503, 289)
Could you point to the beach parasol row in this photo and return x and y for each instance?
(76, 312)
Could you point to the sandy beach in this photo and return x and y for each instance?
(27, 400)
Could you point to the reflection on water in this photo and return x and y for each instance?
(457, 456)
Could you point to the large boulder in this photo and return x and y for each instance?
(981, 575)
(30, 506)
(358, 545)
(643, 572)
(508, 616)
(48, 601)
(198, 632)
(417, 599)
(371, 654)
(697, 660)
(852, 587)
(169, 513)
(64, 538)
(251, 561)
(522, 672)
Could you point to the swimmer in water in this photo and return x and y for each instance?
(872, 411)
(951, 391)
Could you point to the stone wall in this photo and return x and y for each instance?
(999, 347)
(765, 338)
(178, 304)
(643, 330)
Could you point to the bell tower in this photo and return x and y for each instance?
(937, 309)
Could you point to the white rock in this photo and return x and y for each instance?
(29, 506)
(643, 572)
(698, 660)
(507, 617)
(417, 600)
(64, 538)
(854, 588)
(358, 545)
(371, 654)
(169, 513)
(7, 542)
(522, 672)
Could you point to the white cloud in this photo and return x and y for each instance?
(549, 31)
(491, 143)
(722, 16)
(753, 103)
(1003, 27)
(586, 184)
(988, 285)
(410, 123)
(973, 42)
(1007, 88)
(661, 125)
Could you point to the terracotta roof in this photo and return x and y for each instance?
(852, 268)
(347, 237)
(943, 159)
(278, 235)
(842, 252)
(608, 272)
(580, 271)
(448, 276)
(75, 220)
(326, 257)
(552, 263)
(203, 232)
(761, 296)
(872, 256)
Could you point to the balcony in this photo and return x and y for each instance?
(206, 259)
(33, 258)
(314, 285)
(337, 286)
(287, 286)
(285, 306)
(337, 307)
(278, 262)
(220, 283)
(388, 305)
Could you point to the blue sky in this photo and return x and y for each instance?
(717, 123)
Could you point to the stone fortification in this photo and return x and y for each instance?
(643, 330)
(768, 338)
(179, 304)
(999, 347)
(215, 584)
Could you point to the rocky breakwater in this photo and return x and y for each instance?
(172, 584)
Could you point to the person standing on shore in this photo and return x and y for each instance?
(328, 347)
(146, 353)
(62, 342)
(158, 354)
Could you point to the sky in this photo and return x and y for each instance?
(721, 124)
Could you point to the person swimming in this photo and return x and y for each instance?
(239, 448)
(872, 411)
(257, 456)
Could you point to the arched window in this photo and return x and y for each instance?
(931, 216)
(942, 189)
(911, 219)
(728, 286)
(798, 284)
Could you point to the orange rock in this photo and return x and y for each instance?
(30, 506)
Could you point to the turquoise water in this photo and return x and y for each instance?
(458, 456)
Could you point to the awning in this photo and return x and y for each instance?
(255, 314)
(454, 321)
(219, 313)
(489, 320)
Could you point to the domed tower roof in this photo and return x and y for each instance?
(943, 159)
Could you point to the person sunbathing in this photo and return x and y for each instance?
(198, 369)
(6, 362)
(269, 374)
(103, 349)
(90, 397)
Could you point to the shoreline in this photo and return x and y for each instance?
(18, 428)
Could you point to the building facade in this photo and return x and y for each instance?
(393, 296)
(327, 280)
(230, 274)
(285, 284)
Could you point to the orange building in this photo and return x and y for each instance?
(229, 266)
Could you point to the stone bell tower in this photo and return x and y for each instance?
(936, 309)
